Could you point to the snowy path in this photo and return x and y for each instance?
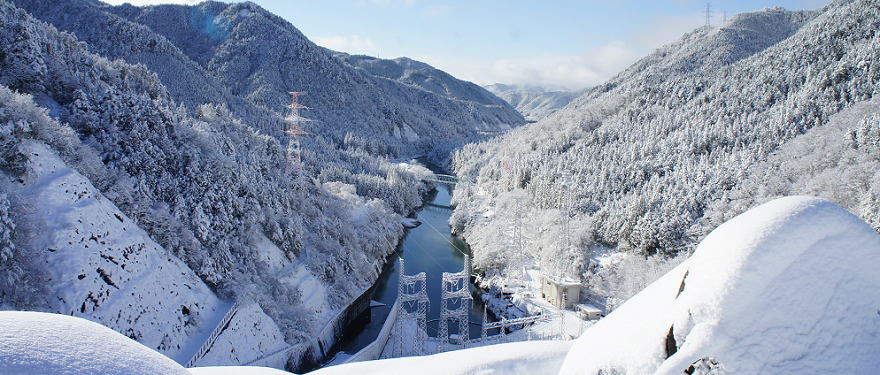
(192, 347)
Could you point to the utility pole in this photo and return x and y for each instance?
(708, 14)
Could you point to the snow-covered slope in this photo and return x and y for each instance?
(789, 287)
(53, 344)
(101, 266)
(423, 76)
(248, 336)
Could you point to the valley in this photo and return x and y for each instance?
(157, 180)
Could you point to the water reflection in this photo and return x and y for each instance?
(428, 248)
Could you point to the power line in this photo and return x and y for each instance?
(445, 236)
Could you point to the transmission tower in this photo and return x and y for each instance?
(516, 263)
(708, 14)
(506, 165)
(294, 131)
(412, 300)
(564, 242)
(562, 316)
(724, 17)
(456, 288)
(483, 332)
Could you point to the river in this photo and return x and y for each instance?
(428, 248)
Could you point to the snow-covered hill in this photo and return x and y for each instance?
(788, 287)
(425, 77)
(99, 264)
(664, 152)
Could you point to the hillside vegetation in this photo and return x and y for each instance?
(692, 135)
(172, 138)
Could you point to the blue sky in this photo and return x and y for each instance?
(557, 44)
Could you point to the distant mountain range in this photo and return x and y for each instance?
(534, 103)
(244, 57)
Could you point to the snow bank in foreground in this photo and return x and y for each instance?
(790, 287)
(41, 343)
(527, 358)
(236, 370)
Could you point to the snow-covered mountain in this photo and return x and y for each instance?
(221, 202)
(535, 106)
(425, 77)
(684, 139)
(249, 59)
(534, 103)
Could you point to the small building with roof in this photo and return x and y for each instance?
(562, 293)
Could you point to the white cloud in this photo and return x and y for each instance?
(663, 30)
(591, 68)
(151, 2)
(353, 44)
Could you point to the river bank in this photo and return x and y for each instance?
(429, 248)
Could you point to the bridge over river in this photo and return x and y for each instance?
(442, 179)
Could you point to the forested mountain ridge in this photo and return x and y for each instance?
(206, 187)
(657, 154)
(424, 76)
(245, 57)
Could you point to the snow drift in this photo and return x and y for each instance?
(41, 343)
(789, 287)
(527, 358)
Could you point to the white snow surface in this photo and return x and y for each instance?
(236, 370)
(105, 268)
(526, 358)
(790, 287)
(50, 344)
(250, 334)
